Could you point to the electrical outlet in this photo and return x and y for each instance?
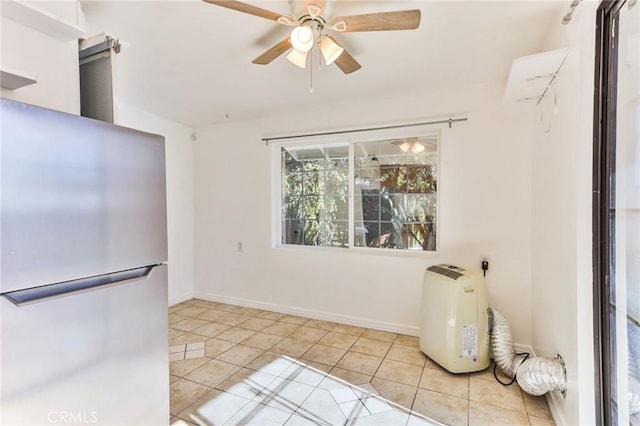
(239, 246)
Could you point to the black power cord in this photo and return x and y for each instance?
(526, 355)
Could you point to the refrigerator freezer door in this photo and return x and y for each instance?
(94, 357)
(79, 197)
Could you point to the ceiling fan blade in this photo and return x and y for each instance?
(273, 53)
(382, 21)
(316, 5)
(347, 63)
(246, 8)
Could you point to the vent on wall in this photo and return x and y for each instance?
(531, 76)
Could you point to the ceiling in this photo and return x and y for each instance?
(190, 61)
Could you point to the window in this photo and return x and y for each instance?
(394, 183)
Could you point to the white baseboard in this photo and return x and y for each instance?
(554, 400)
(179, 299)
(325, 316)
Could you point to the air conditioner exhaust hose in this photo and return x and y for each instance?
(535, 376)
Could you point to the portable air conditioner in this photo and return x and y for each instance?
(454, 329)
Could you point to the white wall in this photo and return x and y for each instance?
(562, 314)
(485, 209)
(52, 60)
(180, 199)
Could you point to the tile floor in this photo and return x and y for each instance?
(236, 365)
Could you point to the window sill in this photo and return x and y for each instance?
(367, 251)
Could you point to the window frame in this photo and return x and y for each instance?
(351, 139)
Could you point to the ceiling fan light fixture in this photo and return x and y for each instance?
(302, 38)
(417, 147)
(405, 146)
(298, 58)
(330, 49)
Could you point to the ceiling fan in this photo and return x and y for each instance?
(311, 19)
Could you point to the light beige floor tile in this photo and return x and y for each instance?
(308, 334)
(173, 378)
(541, 421)
(174, 318)
(400, 372)
(365, 390)
(196, 353)
(493, 393)
(317, 365)
(294, 319)
(258, 414)
(371, 347)
(408, 354)
(361, 363)
(321, 408)
(257, 324)
(246, 383)
(379, 335)
(235, 334)
(397, 393)
(348, 329)
(185, 338)
(173, 333)
(183, 367)
(183, 393)
(351, 377)
(174, 308)
(263, 341)
(214, 408)
(402, 339)
(250, 312)
(324, 354)
(177, 356)
(177, 348)
(240, 355)
(322, 325)
(210, 315)
(487, 374)
(338, 340)
(303, 373)
(211, 329)
(281, 329)
(231, 318)
(271, 315)
(387, 418)
(190, 311)
(441, 381)
(284, 394)
(482, 414)
(212, 373)
(271, 363)
(536, 406)
(205, 303)
(189, 324)
(429, 363)
(292, 347)
(297, 420)
(214, 347)
(226, 307)
(442, 408)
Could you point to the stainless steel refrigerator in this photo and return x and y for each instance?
(83, 274)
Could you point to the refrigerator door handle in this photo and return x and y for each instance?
(29, 295)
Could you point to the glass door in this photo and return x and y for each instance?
(617, 212)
